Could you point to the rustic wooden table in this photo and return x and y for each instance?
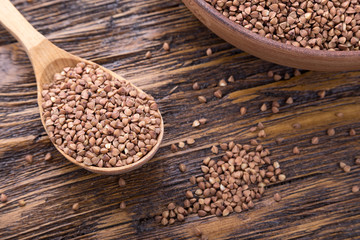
(317, 199)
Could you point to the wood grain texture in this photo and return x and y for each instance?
(317, 199)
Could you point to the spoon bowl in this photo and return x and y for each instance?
(47, 59)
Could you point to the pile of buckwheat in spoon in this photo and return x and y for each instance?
(97, 119)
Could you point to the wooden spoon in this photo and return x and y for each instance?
(47, 59)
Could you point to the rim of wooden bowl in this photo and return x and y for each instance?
(269, 43)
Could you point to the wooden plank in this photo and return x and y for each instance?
(317, 199)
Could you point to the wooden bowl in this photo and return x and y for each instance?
(271, 50)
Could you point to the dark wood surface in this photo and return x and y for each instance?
(317, 199)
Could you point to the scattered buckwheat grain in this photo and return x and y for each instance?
(158, 218)
(275, 104)
(289, 100)
(231, 79)
(277, 197)
(262, 133)
(321, 93)
(347, 168)
(222, 83)
(260, 125)
(148, 55)
(122, 182)
(277, 77)
(296, 150)
(342, 165)
(214, 149)
(196, 123)
(192, 180)
(181, 144)
(263, 107)
(275, 109)
(282, 177)
(315, 140)
(190, 141)
(3, 198)
(197, 232)
(164, 221)
(218, 93)
(22, 203)
(171, 206)
(29, 158)
(352, 132)
(202, 99)
(339, 114)
(166, 46)
(286, 76)
(173, 148)
(196, 86)
(75, 206)
(242, 111)
(48, 157)
(122, 205)
(253, 129)
(202, 121)
(331, 132)
(182, 167)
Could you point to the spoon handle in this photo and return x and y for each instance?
(18, 26)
